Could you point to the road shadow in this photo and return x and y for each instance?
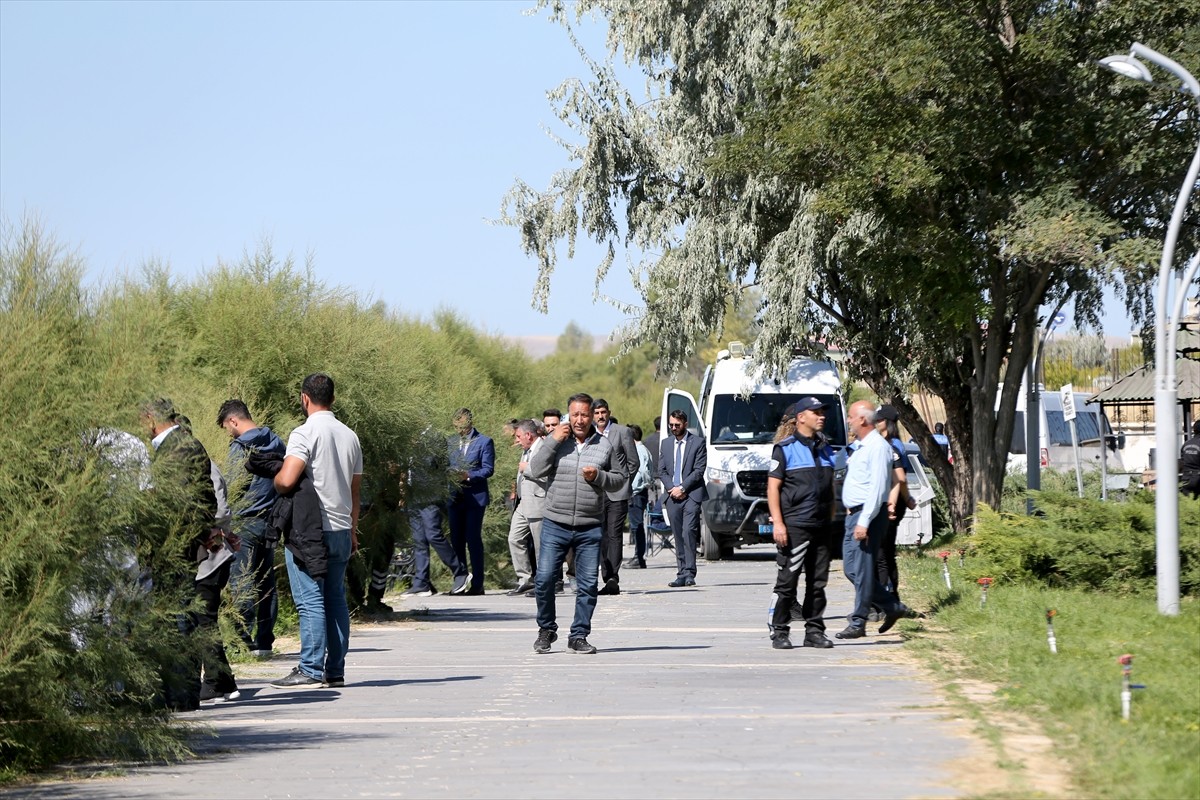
(257, 698)
(411, 681)
(657, 647)
(476, 615)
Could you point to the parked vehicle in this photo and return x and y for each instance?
(738, 413)
(1054, 435)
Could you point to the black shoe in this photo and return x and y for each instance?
(633, 563)
(680, 582)
(297, 680)
(208, 693)
(521, 588)
(611, 587)
(580, 646)
(334, 683)
(890, 619)
(781, 641)
(472, 592)
(559, 588)
(874, 615)
(851, 632)
(818, 640)
(546, 637)
(689, 582)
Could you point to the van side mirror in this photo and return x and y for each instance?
(1116, 441)
(1121, 440)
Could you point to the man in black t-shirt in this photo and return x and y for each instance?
(800, 497)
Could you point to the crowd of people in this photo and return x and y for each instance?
(581, 478)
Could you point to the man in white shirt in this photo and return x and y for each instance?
(864, 493)
(525, 528)
(328, 454)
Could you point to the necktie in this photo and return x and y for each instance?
(465, 442)
(679, 462)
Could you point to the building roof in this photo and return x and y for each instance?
(1137, 387)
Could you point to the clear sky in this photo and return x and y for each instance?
(380, 137)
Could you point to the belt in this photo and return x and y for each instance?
(854, 509)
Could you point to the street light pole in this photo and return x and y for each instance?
(1166, 502)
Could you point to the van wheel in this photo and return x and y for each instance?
(713, 551)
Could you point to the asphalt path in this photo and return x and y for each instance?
(686, 698)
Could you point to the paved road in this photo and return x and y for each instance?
(685, 699)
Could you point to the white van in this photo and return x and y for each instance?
(737, 416)
(1054, 435)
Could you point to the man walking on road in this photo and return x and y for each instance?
(327, 453)
(682, 462)
(865, 493)
(616, 504)
(579, 467)
(800, 496)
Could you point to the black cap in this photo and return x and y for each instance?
(804, 404)
(887, 412)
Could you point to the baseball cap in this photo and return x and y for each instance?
(804, 404)
(887, 412)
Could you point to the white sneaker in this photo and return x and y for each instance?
(464, 586)
(262, 655)
(424, 593)
(234, 695)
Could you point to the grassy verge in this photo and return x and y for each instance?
(1074, 694)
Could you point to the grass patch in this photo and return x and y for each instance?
(1075, 694)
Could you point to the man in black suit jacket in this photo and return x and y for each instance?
(616, 504)
(681, 464)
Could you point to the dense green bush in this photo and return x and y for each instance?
(1082, 542)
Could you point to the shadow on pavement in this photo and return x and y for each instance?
(410, 681)
(659, 647)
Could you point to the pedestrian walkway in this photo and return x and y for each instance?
(686, 698)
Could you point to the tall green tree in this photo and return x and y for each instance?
(908, 181)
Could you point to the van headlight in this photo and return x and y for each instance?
(715, 475)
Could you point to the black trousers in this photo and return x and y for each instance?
(182, 688)
(612, 534)
(808, 551)
(885, 564)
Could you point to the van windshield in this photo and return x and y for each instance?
(1086, 422)
(754, 419)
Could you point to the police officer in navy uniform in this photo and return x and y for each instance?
(1189, 463)
(801, 499)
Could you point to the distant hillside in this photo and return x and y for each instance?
(542, 346)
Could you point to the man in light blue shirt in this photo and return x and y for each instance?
(864, 494)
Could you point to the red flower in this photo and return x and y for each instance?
(944, 555)
(1125, 660)
(985, 582)
(1050, 612)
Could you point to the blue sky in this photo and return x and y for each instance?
(379, 137)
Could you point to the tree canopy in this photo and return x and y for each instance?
(909, 182)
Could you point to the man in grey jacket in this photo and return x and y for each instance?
(578, 466)
(525, 529)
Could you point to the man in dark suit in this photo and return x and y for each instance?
(616, 504)
(473, 458)
(681, 464)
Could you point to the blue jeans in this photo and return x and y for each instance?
(252, 584)
(858, 563)
(324, 615)
(556, 540)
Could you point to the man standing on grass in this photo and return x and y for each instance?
(327, 453)
(578, 466)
